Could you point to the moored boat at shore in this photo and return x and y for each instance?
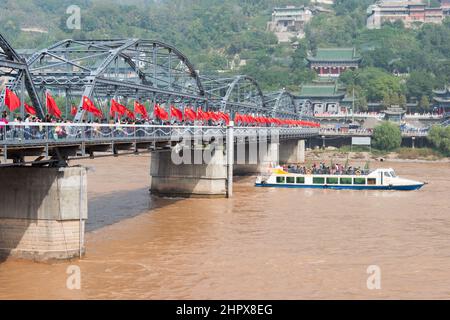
(379, 179)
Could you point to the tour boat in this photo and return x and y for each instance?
(380, 179)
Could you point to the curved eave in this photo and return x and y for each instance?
(312, 60)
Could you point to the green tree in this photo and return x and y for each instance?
(386, 102)
(402, 101)
(439, 136)
(395, 99)
(424, 103)
(420, 83)
(387, 136)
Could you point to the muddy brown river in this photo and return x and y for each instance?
(261, 244)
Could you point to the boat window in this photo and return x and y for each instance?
(372, 181)
(359, 181)
(393, 174)
(318, 180)
(387, 174)
(281, 179)
(346, 181)
(290, 179)
(301, 180)
(332, 180)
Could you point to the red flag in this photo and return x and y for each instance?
(174, 112)
(11, 100)
(140, 109)
(29, 109)
(52, 107)
(117, 107)
(202, 115)
(130, 114)
(156, 112)
(160, 113)
(89, 106)
(237, 118)
(213, 116)
(225, 117)
(190, 114)
(74, 110)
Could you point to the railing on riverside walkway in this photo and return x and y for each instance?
(366, 133)
(63, 133)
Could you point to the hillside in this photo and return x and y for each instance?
(216, 34)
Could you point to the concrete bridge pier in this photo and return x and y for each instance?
(42, 212)
(189, 171)
(252, 158)
(292, 151)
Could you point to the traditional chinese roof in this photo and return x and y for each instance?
(334, 54)
(442, 95)
(321, 91)
(442, 92)
(395, 110)
(441, 100)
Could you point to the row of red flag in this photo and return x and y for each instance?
(117, 109)
(248, 119)
(13, 102)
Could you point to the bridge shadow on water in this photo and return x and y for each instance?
(108, 209)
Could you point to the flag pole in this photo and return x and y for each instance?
(230, 158)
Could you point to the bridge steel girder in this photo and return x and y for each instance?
(282, 104)
(111, 68)
(236, 94)
(14, 67)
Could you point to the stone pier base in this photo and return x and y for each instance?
(40, 212)
(255, 161)
(292, 151)
(188, 179)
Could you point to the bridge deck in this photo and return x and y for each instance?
(46, 140)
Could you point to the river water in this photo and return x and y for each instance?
(261, 244)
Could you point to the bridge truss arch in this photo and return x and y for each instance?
(235, 94)
(282, 104)
(15, 75)
(147, 70)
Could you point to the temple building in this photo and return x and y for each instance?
(331, 62)
(394, 114)
(441, 99)
(289, 22)
(326, 97)
(409, 12)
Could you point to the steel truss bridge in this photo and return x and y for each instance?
(146, 70)
(149, 71)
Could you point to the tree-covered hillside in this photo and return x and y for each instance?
(217, 34)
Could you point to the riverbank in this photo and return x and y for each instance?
(407, 155)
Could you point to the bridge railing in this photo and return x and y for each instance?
(369, 132)
(59, 133)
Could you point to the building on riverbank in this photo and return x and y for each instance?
(441, 99)
(410, 12)
(289, 22)
(332, 62)
(326, 97)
